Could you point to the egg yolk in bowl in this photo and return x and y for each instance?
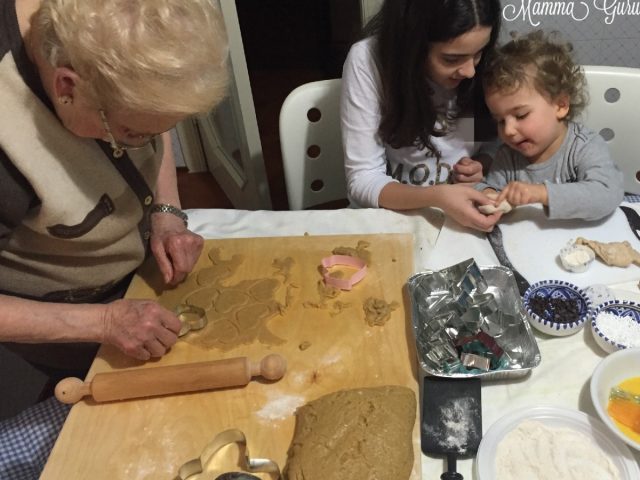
(625, 413)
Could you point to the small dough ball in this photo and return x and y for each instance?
(504, 207)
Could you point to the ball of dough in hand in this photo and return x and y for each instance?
(504, 207)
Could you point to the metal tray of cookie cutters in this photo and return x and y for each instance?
(465, 301)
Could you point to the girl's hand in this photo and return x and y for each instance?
(467, 170)
(175, 248)
(460, 203)
(521, 193)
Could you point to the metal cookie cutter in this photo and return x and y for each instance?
(191, 317)
(197, 465)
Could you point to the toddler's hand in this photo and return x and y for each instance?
(467, 170)
(522, 193)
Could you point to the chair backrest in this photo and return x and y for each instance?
(311, 144)
(614, 112)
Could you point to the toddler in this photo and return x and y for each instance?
(534, 91)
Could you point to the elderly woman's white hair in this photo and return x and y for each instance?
(154, 56)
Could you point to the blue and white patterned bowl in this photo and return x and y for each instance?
(622, 308)
(557, 289)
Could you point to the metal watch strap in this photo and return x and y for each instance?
(166, 208)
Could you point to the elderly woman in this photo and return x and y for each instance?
(88, 90)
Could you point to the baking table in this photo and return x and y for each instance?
(562, 378)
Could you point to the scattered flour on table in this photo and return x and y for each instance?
(331, 359)
(298, 378)
(533, 451)
(458, 424)
(280, 406)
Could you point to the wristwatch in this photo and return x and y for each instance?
(166, 208)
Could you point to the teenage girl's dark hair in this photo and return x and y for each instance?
(404, 30)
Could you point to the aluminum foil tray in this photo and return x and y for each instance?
(452, 304)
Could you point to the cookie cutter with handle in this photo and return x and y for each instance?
(196, 466)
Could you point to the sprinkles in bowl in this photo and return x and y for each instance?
(616, 325)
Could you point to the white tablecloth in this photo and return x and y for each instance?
(562, 378)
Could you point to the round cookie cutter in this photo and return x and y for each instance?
(191, 318)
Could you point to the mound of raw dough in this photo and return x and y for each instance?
(504, 207)
(616, 254)
(358, 434)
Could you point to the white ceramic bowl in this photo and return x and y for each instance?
(552, 289)
(570, 252)
(611, 371)
(622, 308)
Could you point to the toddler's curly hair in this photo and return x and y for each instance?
(545, 61)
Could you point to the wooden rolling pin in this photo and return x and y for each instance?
(148, 382)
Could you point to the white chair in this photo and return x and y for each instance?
(614, 111)
(311, 145)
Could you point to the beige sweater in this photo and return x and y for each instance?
(91, 226)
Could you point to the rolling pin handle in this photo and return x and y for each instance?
(271, 367)
(71, 390)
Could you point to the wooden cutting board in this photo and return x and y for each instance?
(151, 438)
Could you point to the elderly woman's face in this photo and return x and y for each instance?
(127, 128)
(136, 129)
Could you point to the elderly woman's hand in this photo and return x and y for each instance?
(175, 248)
(140, 328)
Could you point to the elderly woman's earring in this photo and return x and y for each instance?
(65, 100)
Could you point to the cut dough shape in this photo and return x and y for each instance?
(616, 254)
(504, 207)
(358, 434)
(237, 314)
(377, 311)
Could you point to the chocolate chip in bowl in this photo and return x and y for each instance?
(556, 307)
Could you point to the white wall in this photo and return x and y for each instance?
(369, 8)
(599, 37)
(602, 32)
